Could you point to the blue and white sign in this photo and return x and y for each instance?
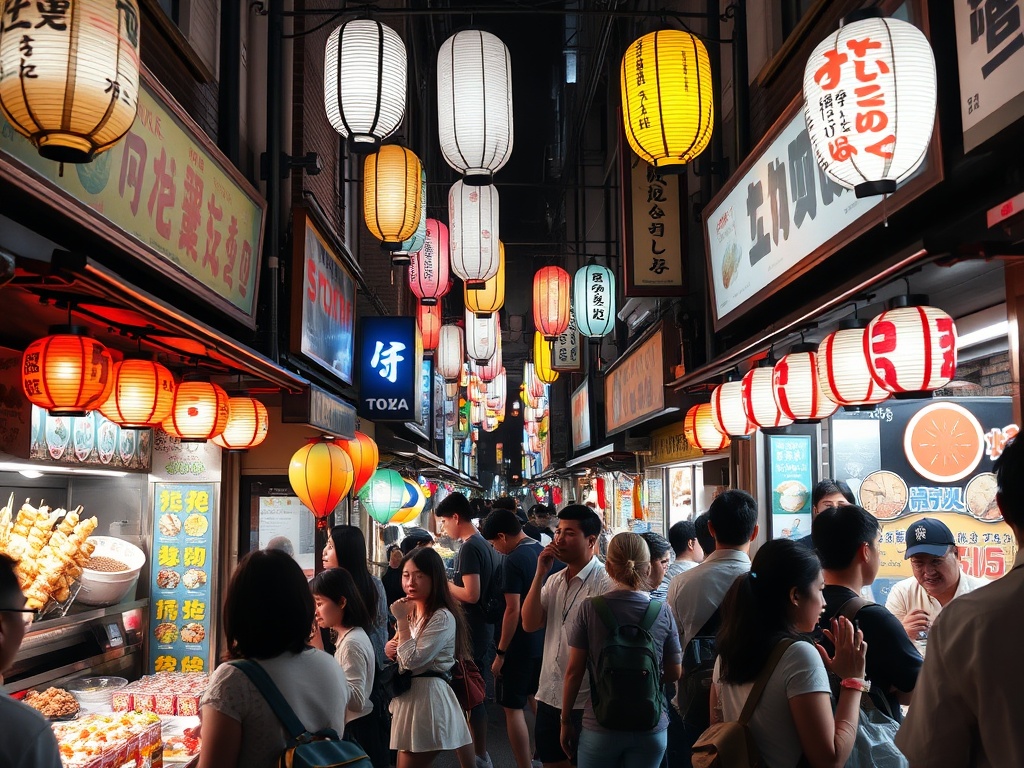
(390, 368)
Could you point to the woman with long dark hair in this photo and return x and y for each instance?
(431, 633)
(346, 548)
(781, 598)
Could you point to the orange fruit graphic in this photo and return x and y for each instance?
(943, 442)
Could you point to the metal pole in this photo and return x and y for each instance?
(741, 82)
(272, 245)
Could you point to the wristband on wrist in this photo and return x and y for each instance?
(856, 684)
(500, 652)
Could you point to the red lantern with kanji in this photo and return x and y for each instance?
(700, 430)
(552, 292)
(911, 347)
(320, 473)
(796, 388)
(759, 400)
(362, 452)
(843, 370)
(67, 372)
(428, 318)
(727, 411)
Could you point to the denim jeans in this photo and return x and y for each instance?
(621, 749)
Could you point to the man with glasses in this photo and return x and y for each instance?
(26, 740)
(827, 494)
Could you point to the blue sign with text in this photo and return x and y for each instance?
(390, 363)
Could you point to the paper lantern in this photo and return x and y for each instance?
(542, 369)
(593, 300)
(412, 509)
(199, 412)
(451, 353)
(551, 295)
(759, 400)
(481, 336)
(140, 394)
(667, 105)
(451, 389)
(362, 452)
(727, 411)
(365, 82)
(428, 318)
(428, 267)
(383, 494)
(497, 391)
(534, 387)
(70, 80)
(392, 195)
(67, 372)
(796, 386)
(477, 411)
(402, 256)
(473, 237)
(320, 473)
(884, 70)
(490, 368)
(843, 371)
(247, 427)
(474, 104)
(491, 297)
(700, 430)
(911, 347)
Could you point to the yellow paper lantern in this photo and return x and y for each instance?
(485, 301)
(542, 369)
(392, 195)
(320, 473)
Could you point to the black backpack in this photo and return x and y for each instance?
(699, 657)
(493, 600)
(625, 685)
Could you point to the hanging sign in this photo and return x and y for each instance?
(581, 438)
(565, 349)
(321, 410)
(635, 388)
(670, 446)
(390, 367)
(652, 210)
(790, 480)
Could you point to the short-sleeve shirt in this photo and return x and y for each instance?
(587, 631)
(517, 573)
(355, 655)
(908, 595)
(26, 740)
(800, 671)
(476, 557)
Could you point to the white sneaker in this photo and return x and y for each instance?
(484, 761)
(537, 764)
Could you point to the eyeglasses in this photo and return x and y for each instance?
(30, 613)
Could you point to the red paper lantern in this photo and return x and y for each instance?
(247, 427)
(552, 293)
(796, 387)
(911, 347)
(67, 372)
(759, 401)
(843, 370)
(320, 473)
(700, 430)
(199, 412)
(727, 411)
(428, 318)
(141, 394)
(429, 276)
(363, 453)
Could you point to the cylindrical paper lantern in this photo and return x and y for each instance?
(667, 105)
(363, 453)
(320, 473)
(199, 412)
(473, 233)
(869, 102)
(911, 347)
(797, 388)
(542, 360)
(451, 353)
(383, 494)
(365, 82)
(534, 387)
(247, 427)
(843, 370)
(428, 268)
(392, 194)
(727, 410)
(451, 389)
(481, 336)
(402, 256)
(551, 296)
(141, 394)
(491, 297)
(759, 401)
(593, 300)
(699, 428)
(489, 369)
(428, 318)
(67, 372)
(474, 104)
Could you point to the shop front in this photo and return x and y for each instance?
(680, 477)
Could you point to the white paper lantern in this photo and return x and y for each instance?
(869, 102)
(593, 300)
(843, 370)
(451, 389)
(796, 388)
(700, 430)
(497, 391)
(403, 256)
(533, 387)
(911, 347)
(365, 82)
(481, 336)
(488, 370)
(428, 268)
(759, 400)
(474, 104)
(451, 353)
(727, 410)
(473, 233)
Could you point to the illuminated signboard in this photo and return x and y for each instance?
(390, 368)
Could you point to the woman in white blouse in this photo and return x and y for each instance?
(427, 719)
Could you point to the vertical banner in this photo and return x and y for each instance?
(790, 478)
(653, 226)
(180, 618)
(565, 349)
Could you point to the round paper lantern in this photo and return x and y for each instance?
(481, 337)
(247, 427)
(489, 369)
(199, 412)
(402, 256)
(140, 395)
(759, 401)
(71, 74)
(593, 300)
(885, 70)
(67, 372)
(474, 104)
(320, 473)
(451, 353)
(797, 388)
(551, 301)
(911, 347)
(362, 452)
(727, 412)
(383, 494)
(491, 297)
(428, 318)
(700, 430)
(392, 195)
(667, 106)
(473, 237)
(415, 505)
(542, 369)
(428, 267)
(843, 371)
(365, 82)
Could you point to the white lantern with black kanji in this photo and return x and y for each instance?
(451, 353)
(593, 300)
(796, 388)
(759, 399)
(473, 233)
(481, 336)
(843, 371)
(911, 347)
(727, 410)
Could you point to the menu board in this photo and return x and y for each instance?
(790, 482)
(180, 618)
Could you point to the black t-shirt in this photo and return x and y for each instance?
(392, 581)
(476, 556)
(893, 661)
(517, 571)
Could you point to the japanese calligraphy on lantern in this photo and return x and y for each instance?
(565, 349)
(635, 388)
(990, 52)
(167, 186)
(654, 227)
(180, 577)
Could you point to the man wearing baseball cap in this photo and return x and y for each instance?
(937, 578)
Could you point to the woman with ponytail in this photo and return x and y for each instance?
(629, 566)
(781, 599)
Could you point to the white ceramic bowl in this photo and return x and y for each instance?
(103, 588)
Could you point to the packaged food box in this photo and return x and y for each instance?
(165, 693)
(110, 741)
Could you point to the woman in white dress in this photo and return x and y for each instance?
(427, 719)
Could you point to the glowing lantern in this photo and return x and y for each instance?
(700, 430)
(428, 268)
(362, 452)
(428, 318)
(797, 388)
(491, 297)
(489, 369)
(383, 494)
(199, 412)
(320, 473)
(534, 386)
(496, 392)
(474, 104)
(843, 371)
(392, 195)
(481, 337)
(758, 399)
(911, 347)
(551, 301)
(477, 411)
(593, 300)
(71, 83)
(667, 105)
(402, 256)
(415, 505)
(473, 233)
(727, 410)
(247, 427)
(887, 68)
(141, 394)
(365, 82)
(450, 353)
(67, 372)
(542, 369)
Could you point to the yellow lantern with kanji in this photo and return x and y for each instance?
(485, 301)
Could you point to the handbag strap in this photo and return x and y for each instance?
(762, 680)
(266, 686)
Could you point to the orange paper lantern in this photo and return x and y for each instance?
(141, 394)
(320, 473)
(248, 424)
(552, 292)
(700, 430)
(67, 372)
(199, 412)
(428, 318)
(363, 453)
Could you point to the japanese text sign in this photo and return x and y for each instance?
(635, 388)
(581, 417)
(183, 549)
(390, 369)
(654, 229)
(167, 186)
(669, 446)
(565, 349)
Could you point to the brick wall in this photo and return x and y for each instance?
(987, 376)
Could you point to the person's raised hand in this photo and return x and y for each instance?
(401, 608)
(850, 657)
(918, 620)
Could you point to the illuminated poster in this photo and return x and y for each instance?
(791, 480)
